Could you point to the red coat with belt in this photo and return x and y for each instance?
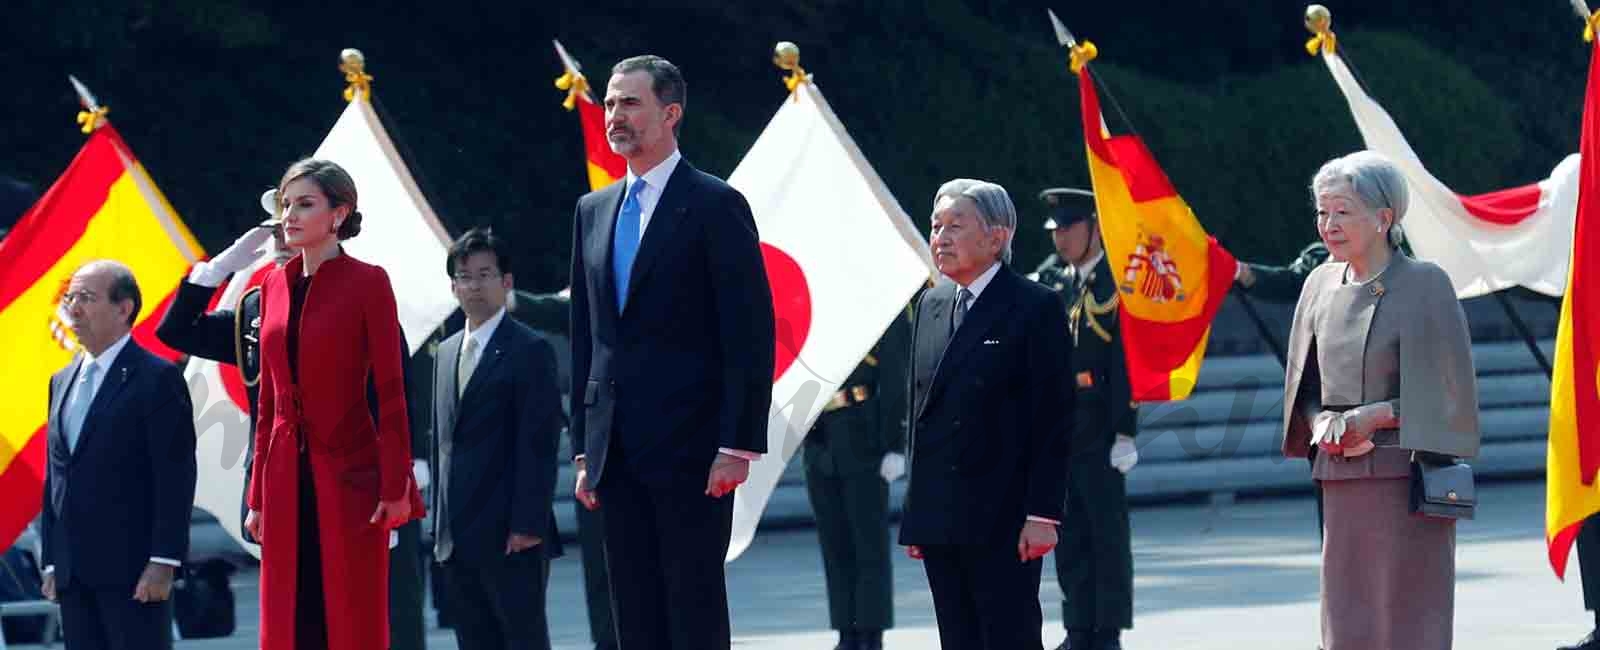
(349, 329)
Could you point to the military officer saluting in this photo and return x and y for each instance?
(1094, 560)
(854, 450)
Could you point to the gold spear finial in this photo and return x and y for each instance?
(93, 114)
(786, 56)
(1319, 21)
(354, 66)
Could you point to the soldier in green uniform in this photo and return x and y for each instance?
(1094, 561)
(852, 453)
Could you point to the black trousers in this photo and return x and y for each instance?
(1094, 561)
(110, 619)
(500, 605)
(984, 596)
(310, 610)
(406, 631)
(665, 548)
(852, 513)
(1589, 562)
(596, 583)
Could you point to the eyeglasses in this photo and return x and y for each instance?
(73, 297)
(481, 277)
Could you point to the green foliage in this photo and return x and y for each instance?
(218, 96)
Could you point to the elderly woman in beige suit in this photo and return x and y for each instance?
(1379, 369)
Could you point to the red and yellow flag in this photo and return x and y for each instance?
(1171, 276)
(605, 166)
(1574, 442)
(103, 206)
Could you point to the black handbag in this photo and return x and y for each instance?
(1442, 487)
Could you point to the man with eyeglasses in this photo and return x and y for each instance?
(496, 421)
(119, 482)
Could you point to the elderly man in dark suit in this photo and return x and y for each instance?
(497, 418)
(119, 484)
(990, 412)
(672, 360)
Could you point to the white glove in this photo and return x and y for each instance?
(419, 471)
(1124, 454)
(237, 257)
(893, 467)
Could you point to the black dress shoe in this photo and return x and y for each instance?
(1589, 642)
(848, 641)
(869, 640)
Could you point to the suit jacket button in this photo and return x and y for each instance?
(956, 424)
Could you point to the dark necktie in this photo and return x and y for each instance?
(962, 298)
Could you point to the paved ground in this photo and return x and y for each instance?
(1230, 576)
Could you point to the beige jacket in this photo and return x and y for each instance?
(1418, 353)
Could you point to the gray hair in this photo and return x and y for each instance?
(1373, 179)
(122, 287)
(666, 81)
(995, 209)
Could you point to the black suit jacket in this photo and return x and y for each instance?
(687, 367)
(125, 494)
(990, 411)
(496, 447)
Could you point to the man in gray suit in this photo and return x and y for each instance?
(497, 416)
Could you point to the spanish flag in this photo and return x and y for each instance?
(1574, 442)
(605, 166)
(1171, 276)
(103, 206)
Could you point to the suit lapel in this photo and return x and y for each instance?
(598, 247)
(933, 335)
(449, 360)
(110, 387)
(62, 382)
(670, 211)
(486, 362)
(991, 304)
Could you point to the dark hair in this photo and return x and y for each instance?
(336, 186)
(666, 81)
(477, 240)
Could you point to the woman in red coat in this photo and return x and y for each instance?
(328, 484)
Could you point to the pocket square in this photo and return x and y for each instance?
(991, 341)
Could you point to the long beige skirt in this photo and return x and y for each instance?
(1388, 577)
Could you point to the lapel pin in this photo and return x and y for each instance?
(1377, 289)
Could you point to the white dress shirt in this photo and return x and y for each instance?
(655, 181)
(103, 362)
(976, 289)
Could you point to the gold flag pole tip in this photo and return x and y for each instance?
(354, 66)
(1319, 21)
(786, 56)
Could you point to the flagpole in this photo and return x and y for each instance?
(1319, 22)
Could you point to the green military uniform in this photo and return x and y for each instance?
(843, 452)
(1281, 284)
(1094, 559)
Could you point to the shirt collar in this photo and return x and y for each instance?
(657, 176)
(983, 281)
(486, 330)
(109, 355)
(1086, 267)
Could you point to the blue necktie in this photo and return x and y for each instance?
(625, 245)
(78, 408)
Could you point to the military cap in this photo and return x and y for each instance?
(1065, 206)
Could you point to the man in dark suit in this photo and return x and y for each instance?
(854, 451)
(119, 484)
(672, 357)
(1094, 563)
(991, 408)
(497, 418)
